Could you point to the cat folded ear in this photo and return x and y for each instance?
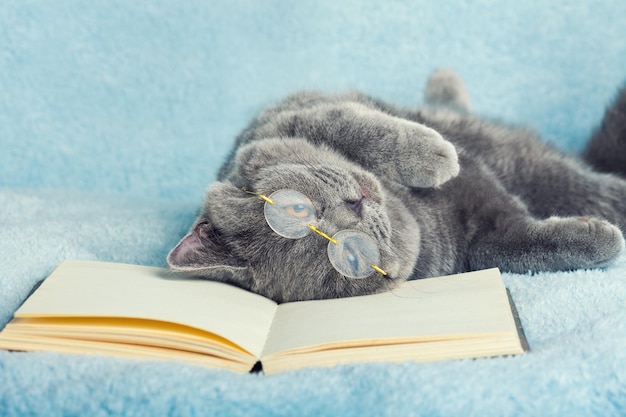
(203, 251)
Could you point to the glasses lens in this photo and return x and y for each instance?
(353, 254)
(290, 214)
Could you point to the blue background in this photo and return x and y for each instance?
(145, 98)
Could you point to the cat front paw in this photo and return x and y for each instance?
(427, 159)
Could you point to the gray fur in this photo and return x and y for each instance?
(440, 190)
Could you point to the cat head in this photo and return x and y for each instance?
(231, 240)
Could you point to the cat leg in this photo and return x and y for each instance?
(501, 229)
(552, 244)
(555, 184)
(445, 88)
(401, 150)
(252, 160)
(606, 150)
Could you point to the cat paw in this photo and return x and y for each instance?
(425, 158)
(582, 242)
(445, 88)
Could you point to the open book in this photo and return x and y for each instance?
(147, 312)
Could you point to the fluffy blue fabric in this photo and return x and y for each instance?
(114, 116)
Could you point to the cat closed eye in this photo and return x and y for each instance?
(355, 206)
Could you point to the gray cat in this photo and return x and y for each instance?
(419, 192)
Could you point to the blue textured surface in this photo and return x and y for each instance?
(115, 115)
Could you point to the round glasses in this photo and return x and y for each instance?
(290, 214)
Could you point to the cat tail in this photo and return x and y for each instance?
(606, 150)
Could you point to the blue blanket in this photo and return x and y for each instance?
(114, 117)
